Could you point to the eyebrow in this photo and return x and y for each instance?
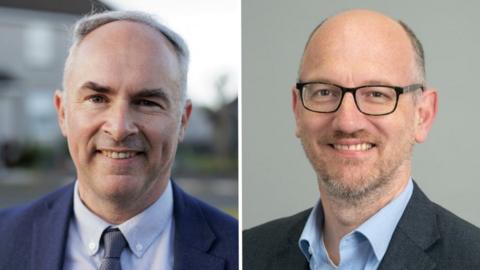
(377, 82)
(367, 82)
(144, 93)
(155, 94)
(152, 93)
(96, 87)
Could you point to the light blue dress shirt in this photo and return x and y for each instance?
(361, 249)
(150, 236)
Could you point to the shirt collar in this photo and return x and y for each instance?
(378, 229)
(310, 239)
(140, 231)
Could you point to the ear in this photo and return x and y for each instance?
(296, 107)
(426, 112)
(187, 111)
(58, 101)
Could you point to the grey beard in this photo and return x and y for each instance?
(356, 194)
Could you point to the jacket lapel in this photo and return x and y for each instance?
(50, 230)
(290, 256)
(415, 233)
(193, 235)
(406, 256)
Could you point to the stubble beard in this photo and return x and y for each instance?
(348, 181)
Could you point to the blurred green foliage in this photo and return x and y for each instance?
(205, 163)
(27, 155)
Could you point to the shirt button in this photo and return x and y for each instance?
(139, 247)
(92, 245)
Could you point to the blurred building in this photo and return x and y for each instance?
(35, 38)
(214, 131)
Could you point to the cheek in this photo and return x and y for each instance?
(162, 134)
(311, 126)
(81, 128)
(397, 131)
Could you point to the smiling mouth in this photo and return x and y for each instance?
(119, 154)
(353, 147)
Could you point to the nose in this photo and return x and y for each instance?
(120, 123)
(348, 118)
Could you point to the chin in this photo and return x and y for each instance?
(118, 185)
(352, 184)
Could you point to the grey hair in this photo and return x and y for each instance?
(418, 49)
(87, 24)
(416, 44)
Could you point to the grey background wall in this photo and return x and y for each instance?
(277, 178)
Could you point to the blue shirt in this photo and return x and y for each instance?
(364, 247)
(149, 234)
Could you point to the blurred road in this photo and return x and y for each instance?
(20, 186)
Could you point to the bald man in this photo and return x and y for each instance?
(361, 103)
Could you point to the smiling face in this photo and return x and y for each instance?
(121, 113)
(355, 154)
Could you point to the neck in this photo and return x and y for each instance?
(119, 209)
(342, 217)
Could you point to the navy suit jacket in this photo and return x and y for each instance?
(427, 237)
(34, 236)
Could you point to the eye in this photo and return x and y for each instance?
(376, 94)
(97, 99)
(145, 103)
(323, 92)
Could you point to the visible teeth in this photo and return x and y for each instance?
(353, 147)
(119, 155)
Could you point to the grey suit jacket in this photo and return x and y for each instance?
(427, 237)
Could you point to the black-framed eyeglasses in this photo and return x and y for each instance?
(370, 99)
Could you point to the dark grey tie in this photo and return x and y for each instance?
(114, 243)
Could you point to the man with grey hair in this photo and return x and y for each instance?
(360, 106)
(123, 111)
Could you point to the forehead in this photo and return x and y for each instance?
(354, 49)
(124, 54)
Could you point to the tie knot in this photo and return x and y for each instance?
(114, 243)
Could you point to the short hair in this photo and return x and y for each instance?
(416, 44)
(89, 23)
(418, 49)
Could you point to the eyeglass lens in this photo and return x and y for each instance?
(369, 99)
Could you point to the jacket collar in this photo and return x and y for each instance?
(49, 234)
(290, 256)
(193, 235)
(417, 230)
